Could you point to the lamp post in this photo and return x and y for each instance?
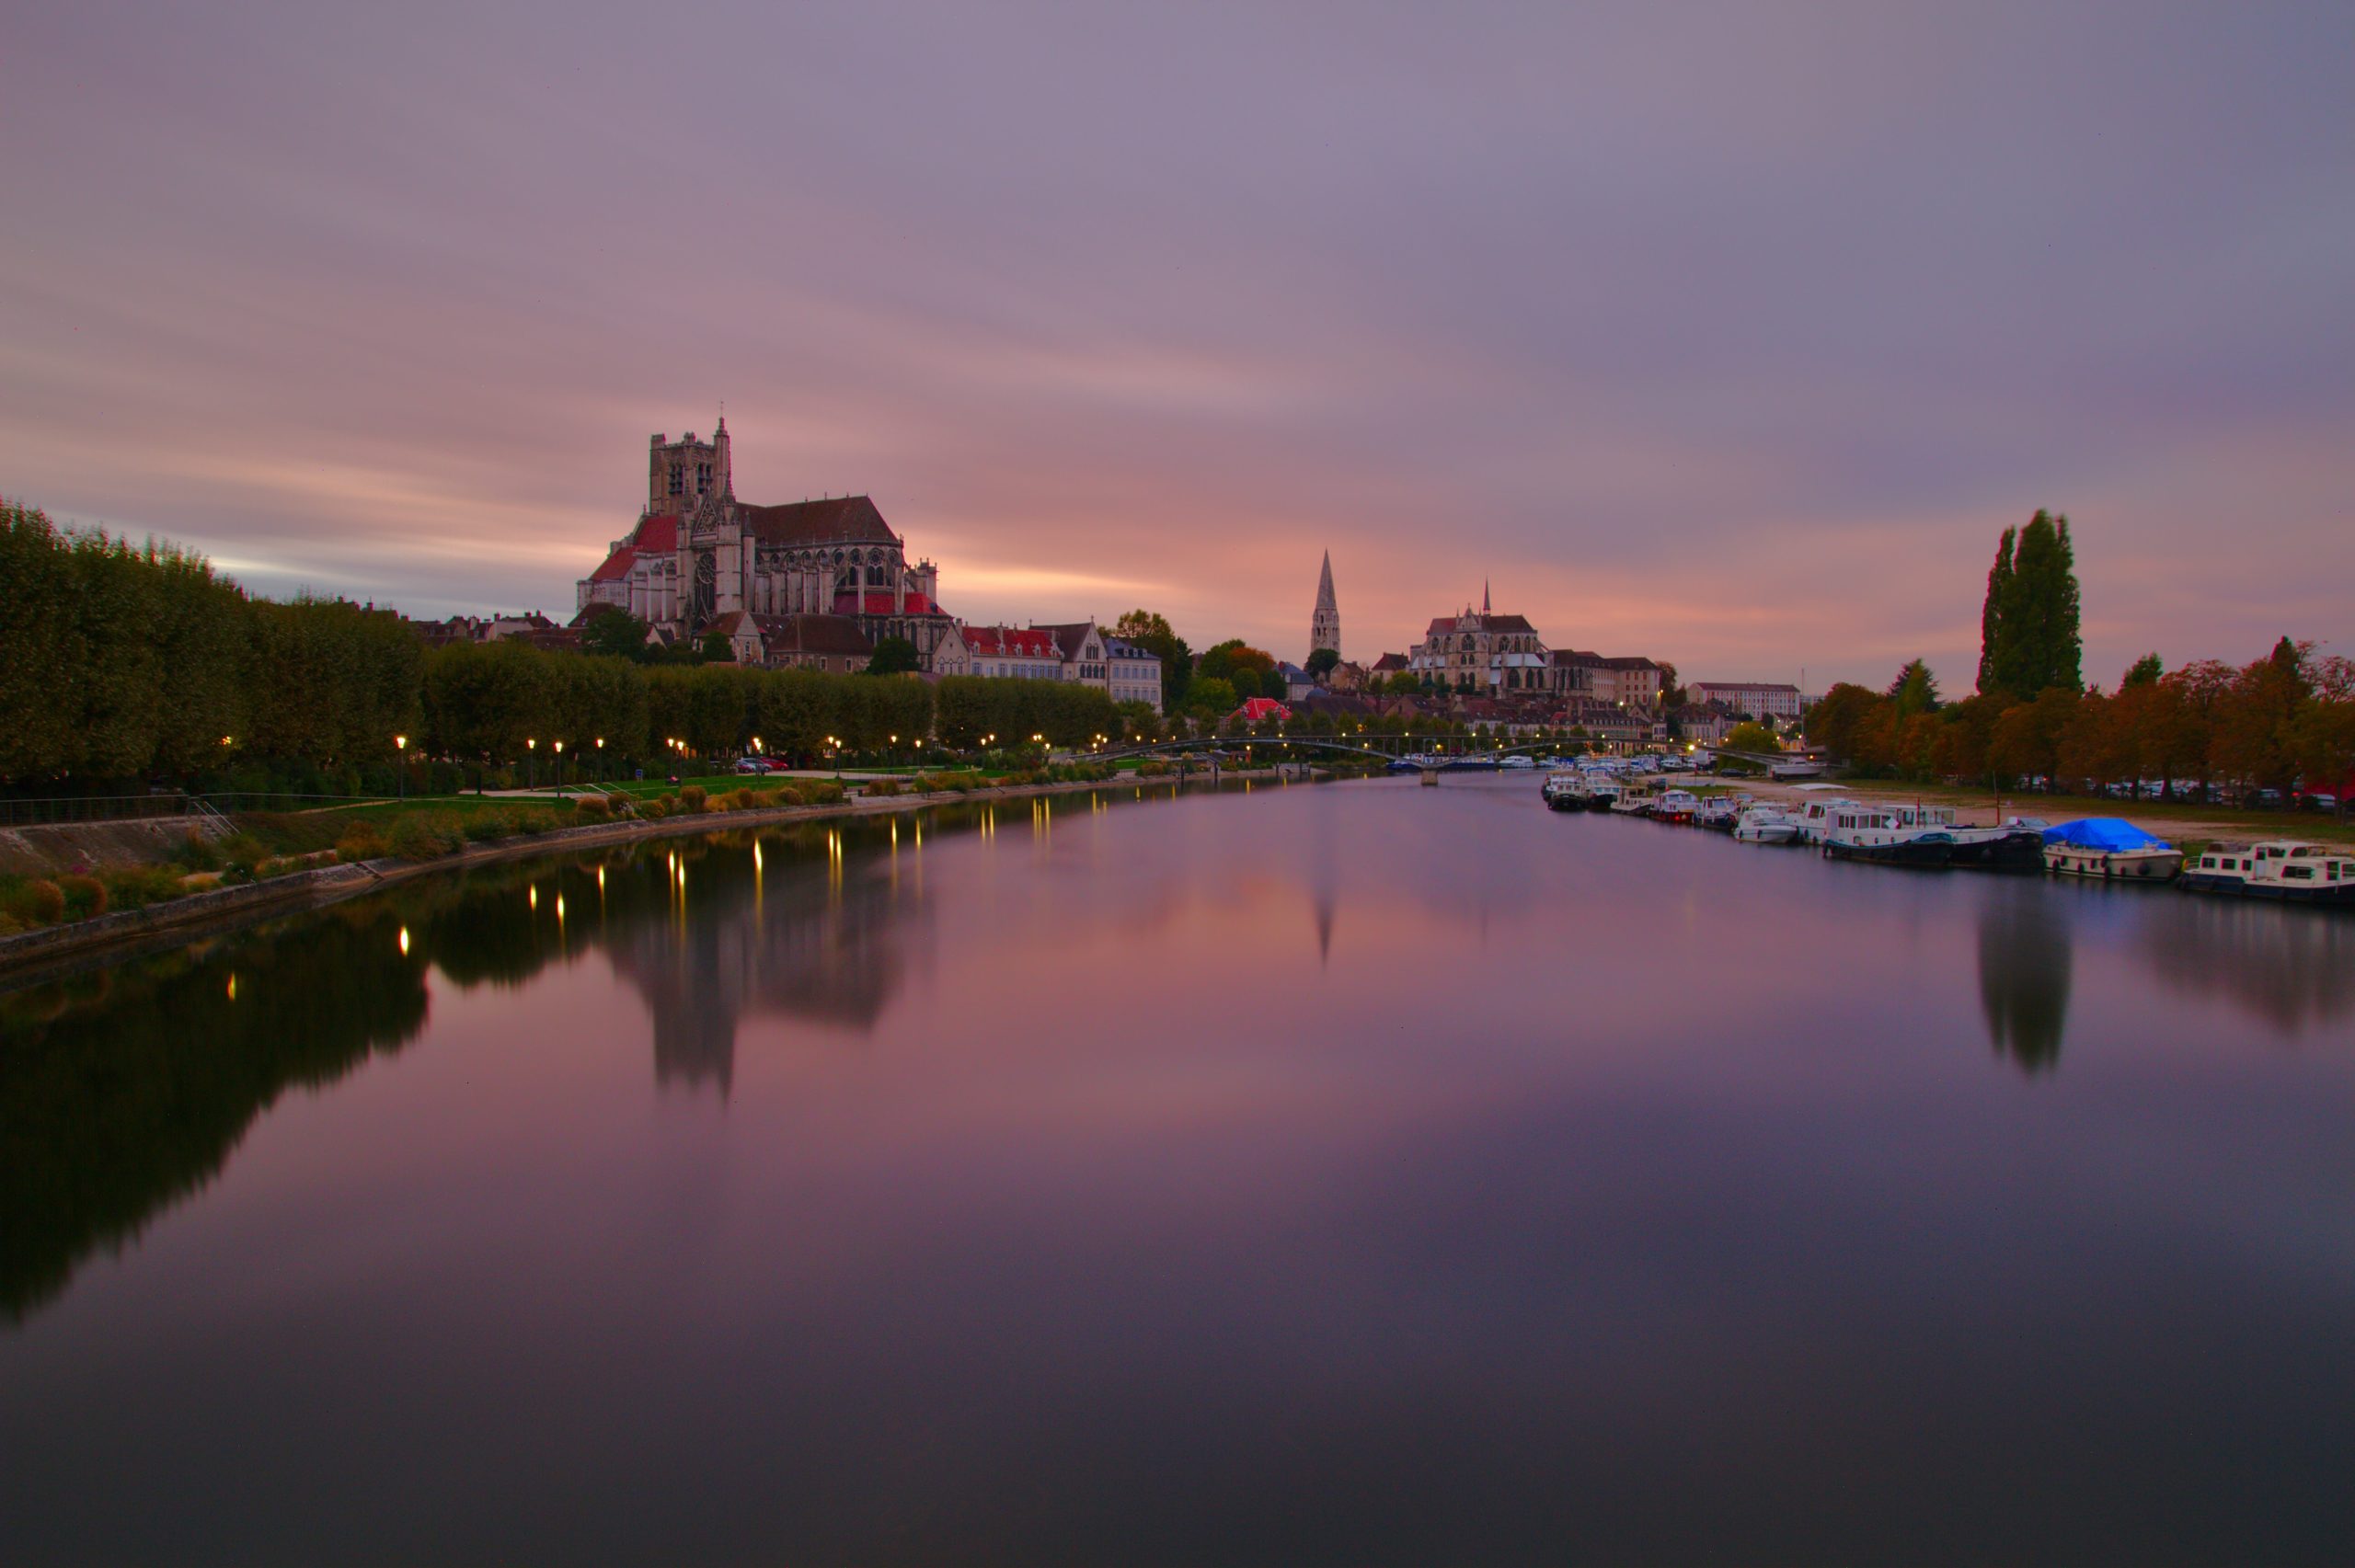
(601, 759)
(559, 767)
(530, 770)
(400, 767)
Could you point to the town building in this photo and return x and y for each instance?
(1324, 621)
(1629, 681)
(1134, 674)
(1005, 652)
(1760, 699)
(696, 554)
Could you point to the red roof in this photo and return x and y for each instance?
(1254, 709)
(657, 533)
(616, 566)
(878, 603)
(1006, 641)
(839, 519)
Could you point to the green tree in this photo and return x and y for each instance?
(483, 700)
(1321, 661)
(1916, 689)
(1991, 613)
(614, 632)
(2144, 671)
(894, 656)
(1150, 632)
(1752, 736)
(2035, 639)
(1211, 696)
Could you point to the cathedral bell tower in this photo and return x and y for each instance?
(1325, 626)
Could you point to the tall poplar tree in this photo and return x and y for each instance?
(1991, 611)
(2029, 635)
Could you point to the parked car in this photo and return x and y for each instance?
(752, 766)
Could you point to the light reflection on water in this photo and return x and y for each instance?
(1350, 1174)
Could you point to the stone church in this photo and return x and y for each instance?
(773, 579)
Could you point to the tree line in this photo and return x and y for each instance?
(2280, 722)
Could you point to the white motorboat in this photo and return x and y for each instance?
(1676, 806)
(2291, 870)
(1764, 823)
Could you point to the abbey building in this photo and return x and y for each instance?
(700, 561)
(814, 585)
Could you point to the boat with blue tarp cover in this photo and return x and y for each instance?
(2109, 848)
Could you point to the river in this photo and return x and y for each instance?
(1347, 1173)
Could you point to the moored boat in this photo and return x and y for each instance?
(2290, 870)
(1676, 806)
(2109, 848)
(1636, 798)
(1764, 823)
(1928, 837)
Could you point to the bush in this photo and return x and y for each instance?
(821, 792)
(482, 826)
(883, 787)
(362, 840)
(46, 902)
(198, 853)
(136, 887)
(532, 824)
(423, 835)
(691, 797)
(242, 855)
(594, 808)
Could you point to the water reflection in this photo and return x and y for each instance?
(2291, 969)
(2024, 964)
(124, 1092)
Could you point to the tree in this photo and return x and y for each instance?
(1321, 661)
(715, 649)
(2144, 671)
(1916, 689)
(1150, 632)
(894, 656)
(1211, 696)
(1835, 722)
(614, 632)
(1991, 613)
(2032, 640)
(1751, 736)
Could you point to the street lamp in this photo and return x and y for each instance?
(530, 776)
(601, 759)
(400, 768)
(559, 767)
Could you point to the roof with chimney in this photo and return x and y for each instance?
(1070, 635)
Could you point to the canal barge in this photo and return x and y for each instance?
(2290, 870)
(1928, 837)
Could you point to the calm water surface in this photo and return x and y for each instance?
(1357, 1173)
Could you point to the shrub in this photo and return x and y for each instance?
(821, 792)
(691, 797)
(85, 897)
(482, 826)
(198, 853)
(242, 855)
(46, 901)
(884, 787)
(362, 840)
(136, 886)
(741, 800)
(422, 835)
(532, 824)
(594, 808)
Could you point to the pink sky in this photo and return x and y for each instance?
(1732, 339)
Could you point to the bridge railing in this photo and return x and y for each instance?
(15, 813)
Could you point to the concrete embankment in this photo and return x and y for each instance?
(49, 849)
(108, 938)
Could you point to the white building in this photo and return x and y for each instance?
(1758, 698)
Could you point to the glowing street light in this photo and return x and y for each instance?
(400, 769)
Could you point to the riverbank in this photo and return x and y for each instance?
(38, 953)
(2183, 823)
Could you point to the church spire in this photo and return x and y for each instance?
(1484, 596)
(1324, 623)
